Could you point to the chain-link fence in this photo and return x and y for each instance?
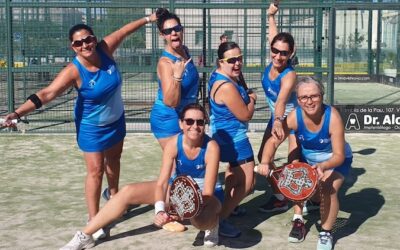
(338, 41)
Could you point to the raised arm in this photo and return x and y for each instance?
(273, 28)
(170, 75)
(112, 41)
(64, 80)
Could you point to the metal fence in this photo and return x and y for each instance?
(34, 47)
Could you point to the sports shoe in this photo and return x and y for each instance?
(298, 231)
(310, 206)
(238, 211)
(324, 241)
(211, 237)
(99, 234)
(274, 205)
(228, 230)
(80, 241)
(106, 194)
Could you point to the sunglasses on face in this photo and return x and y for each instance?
(277, 51)
(177, 28)
(305, 98)
(233, 59)
(78, 43)
(199, 122)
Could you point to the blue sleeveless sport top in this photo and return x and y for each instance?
(99, 100)
(189, 84)
(273, 87)
(224, 126)
(316, 146)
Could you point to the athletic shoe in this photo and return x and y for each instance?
(99, 234)
(211, 237)
(228, 230)
(106, 194)
(274, 205)
(310, 206)
(80, 241)
(324, 241)
(238, 211)
(298, 231)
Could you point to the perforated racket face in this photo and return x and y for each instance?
(298, 181)
(185, 197)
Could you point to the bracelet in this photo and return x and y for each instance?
(159, 206)
(36, 100)
(280, 118)
(178, 79)
(147, 19)
(18, 116)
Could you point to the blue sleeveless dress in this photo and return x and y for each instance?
(164, 120)
(229, 132)
(99, 109)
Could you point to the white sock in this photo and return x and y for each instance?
(279, 197)
(298, 216)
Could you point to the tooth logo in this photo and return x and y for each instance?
(352, 122)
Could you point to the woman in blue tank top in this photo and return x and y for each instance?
(193, 153)
(178, 79)
(99, 110)
(321, 143)
(231, 108)
(278, 82)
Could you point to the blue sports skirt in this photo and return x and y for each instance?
(92, 138)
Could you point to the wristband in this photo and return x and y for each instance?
(18, 116)
(178, 79)
(280, 118)
(147, 19)
(36, 100)
(159, 206)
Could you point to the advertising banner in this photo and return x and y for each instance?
(370, 118)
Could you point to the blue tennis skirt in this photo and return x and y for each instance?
(92, 138)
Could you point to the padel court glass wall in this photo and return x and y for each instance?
(352, 46)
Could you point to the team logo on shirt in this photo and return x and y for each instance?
(111, 69)
(301, 137)
(272, 92)
(199, 166)
(92, 83)
(324, 140)
(179, 162)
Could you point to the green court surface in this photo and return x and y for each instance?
(42, 198)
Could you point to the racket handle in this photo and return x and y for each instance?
(256, 171)
(14, 121)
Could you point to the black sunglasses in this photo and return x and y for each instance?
(177, 28)
(87, 40)
(199, 122)
(277, 51)
(233, 59)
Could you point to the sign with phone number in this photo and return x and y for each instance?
(376, 118)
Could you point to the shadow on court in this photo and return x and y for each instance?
(360, 206)
(137, 231)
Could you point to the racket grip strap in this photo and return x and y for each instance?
(159, 206)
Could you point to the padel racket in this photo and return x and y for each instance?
(185, 197)
(296, 181)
